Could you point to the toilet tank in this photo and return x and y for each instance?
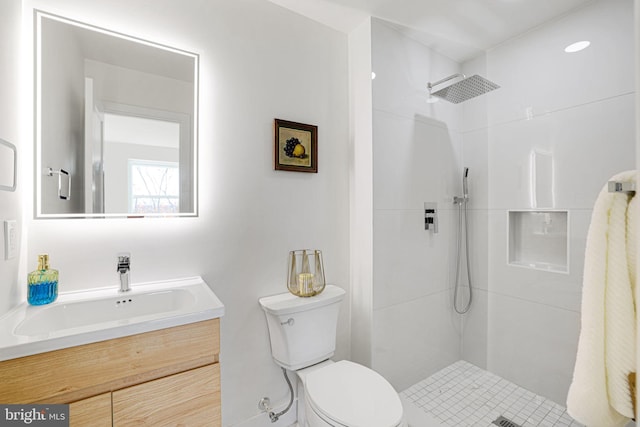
(302, 330)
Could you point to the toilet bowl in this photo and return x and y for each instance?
(302, 334)
(345, 393)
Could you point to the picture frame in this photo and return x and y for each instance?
(295, 146)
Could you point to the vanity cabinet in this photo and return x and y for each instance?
(94, 411)
(188, 398)
(166, 377)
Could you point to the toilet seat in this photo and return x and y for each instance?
(348, 394)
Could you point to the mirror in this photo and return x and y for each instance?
(115, 125)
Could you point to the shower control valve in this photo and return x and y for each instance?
(431, 217)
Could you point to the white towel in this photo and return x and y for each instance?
(599, 394)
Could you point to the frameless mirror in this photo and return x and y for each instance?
(116, 124)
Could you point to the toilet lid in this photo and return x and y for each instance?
(353, 395)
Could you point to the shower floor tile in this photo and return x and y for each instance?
(464, 395)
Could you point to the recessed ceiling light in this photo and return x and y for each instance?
(373, 75)
(577, 46)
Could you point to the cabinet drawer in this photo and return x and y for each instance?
(190, 398)
(94, 411)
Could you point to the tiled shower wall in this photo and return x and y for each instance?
(416, 152)
(578, 109)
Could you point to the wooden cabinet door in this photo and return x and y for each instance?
(94, 411)
(190, 398)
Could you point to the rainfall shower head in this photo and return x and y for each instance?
(465, 89)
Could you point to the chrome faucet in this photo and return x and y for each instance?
(123, 268)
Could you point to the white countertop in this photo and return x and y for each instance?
(20, 333)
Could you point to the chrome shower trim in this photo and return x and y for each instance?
(446, 79)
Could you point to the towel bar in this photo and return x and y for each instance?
(632, 390)
(622, 187)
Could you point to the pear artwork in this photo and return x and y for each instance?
(294, 148)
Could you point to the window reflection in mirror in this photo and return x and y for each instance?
(120, 115)
(153, 187)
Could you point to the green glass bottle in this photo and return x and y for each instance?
(42, 283)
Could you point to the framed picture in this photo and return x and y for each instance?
(296, 146)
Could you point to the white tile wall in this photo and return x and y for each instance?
(475, 156)
(532, 344)
(403, 68)
(414, 161)
(588, 143)
(582, 113)
(414, 339)
(534, 71)
(478, 254)
(416, 158)
(475, 329)
(409, 260)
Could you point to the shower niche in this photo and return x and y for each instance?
(539, 240)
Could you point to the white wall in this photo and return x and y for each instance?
(10, 121)
(361, 188)
(580, 109)
(258, 62)
(416, 151)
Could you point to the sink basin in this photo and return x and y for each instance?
(60, 317)
(83, 317)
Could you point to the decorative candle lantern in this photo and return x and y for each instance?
(306, 272)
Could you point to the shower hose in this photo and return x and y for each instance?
(462, 222)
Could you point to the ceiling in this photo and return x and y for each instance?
(459, 29)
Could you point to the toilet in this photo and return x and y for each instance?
(340, 394)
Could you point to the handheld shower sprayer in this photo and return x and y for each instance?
(465, 186)
(463, 228)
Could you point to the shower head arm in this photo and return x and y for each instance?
(446, 79)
